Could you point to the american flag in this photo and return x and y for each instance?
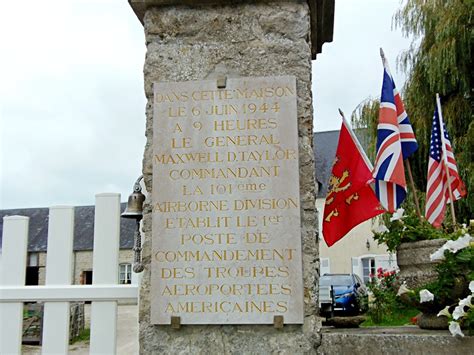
(437, 191)
(395, 142)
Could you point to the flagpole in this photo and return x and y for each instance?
(445, 158)
(356, 141)
(407, 162)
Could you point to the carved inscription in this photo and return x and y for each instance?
(226, 244)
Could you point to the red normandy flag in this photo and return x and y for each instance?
(350, 199)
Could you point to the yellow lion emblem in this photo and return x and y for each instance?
(337, 184)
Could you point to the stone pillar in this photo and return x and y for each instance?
(189, 41)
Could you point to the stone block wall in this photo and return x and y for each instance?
(126, 256)
(241, 40)
(82, 261)
(42, 268)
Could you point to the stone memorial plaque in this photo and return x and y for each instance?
(226, 244)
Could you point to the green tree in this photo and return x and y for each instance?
(439, 60)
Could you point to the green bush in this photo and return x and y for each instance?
(84, 335)
(384, 301)
(386, 308)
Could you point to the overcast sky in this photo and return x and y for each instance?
(72, 105)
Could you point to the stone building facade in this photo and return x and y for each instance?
(82, 247)
(82, 264)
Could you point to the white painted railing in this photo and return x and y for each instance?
(58, 291)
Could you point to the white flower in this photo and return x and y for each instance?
(397, 215)
(458, 312)
(426, 296)
(455, 329)
(458, 244)
(466, 302)
(471, 286)
(444, 312)
(453, 246)
(381, 229)
(403, 289)
(438, 254)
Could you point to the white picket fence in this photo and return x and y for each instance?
(58, 291)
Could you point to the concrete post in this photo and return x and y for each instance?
(194, 40)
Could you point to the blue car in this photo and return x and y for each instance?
(345, 294)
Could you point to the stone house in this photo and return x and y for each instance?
(82, 247)
(357, 252)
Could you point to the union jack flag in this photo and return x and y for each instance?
(407, 136)
(395, 142)
(437, 190)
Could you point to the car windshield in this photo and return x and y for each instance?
(335, 280)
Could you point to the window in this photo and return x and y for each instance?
(32, 276)
(86, 277)
(368, 268)
(324, 266)
(33, 259)
(125, 273)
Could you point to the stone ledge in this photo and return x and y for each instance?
(321, 16)
(394, 340)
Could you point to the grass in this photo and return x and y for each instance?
(84, 335)
(398, 318)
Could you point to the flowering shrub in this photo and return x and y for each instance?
(384, 295)
(451, 289)
(455, 270)
(463, 314)
(457, 262)
(405, 227)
